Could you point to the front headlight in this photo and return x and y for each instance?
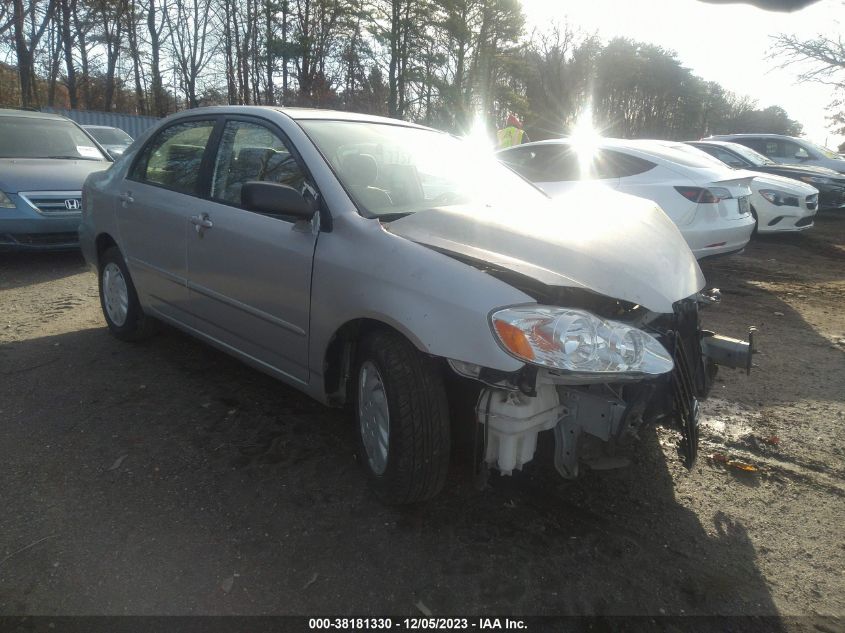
(779, 198)
(577, 341)
(821, 180)
(6, 201)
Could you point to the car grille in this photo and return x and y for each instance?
(40, 239)
(55, 203)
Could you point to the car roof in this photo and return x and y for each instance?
(303, 114)
(32, 114)
(100, 127)
(748, 135)
(704, 141)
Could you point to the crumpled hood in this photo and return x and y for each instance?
(45, 174)
(614, 244)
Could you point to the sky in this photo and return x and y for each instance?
(727, 43)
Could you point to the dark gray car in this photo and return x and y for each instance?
(788, 150)
(375, 263)
(44, 159)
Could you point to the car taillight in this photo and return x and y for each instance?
(703, 195)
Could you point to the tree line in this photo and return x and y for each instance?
(444, 63)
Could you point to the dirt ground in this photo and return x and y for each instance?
(167, 478)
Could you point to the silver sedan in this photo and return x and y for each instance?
(401, 271)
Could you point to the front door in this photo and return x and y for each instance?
(154, 204)
(249, 274)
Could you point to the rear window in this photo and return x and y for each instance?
(110, 136)
(681, 154)
(32, 137)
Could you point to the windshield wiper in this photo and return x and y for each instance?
(389, 217)
(69, 157)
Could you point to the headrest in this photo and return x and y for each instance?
(360, 169)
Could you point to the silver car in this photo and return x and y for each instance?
(401, 271)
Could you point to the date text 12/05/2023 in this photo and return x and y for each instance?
(424, 623)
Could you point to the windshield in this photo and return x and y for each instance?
(31, 137)
(392, 170)
(110, 135)
(824, 151)
(750, 155)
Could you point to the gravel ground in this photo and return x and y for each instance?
(167, 478)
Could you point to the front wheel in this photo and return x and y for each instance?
(403, 419)
(119, 300)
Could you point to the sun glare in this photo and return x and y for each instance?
(585, 139)
(479, 136)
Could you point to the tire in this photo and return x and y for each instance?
(134, 324)
(418, 439)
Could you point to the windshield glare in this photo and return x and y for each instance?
(750, 155)
(31, 137)
(110, 136)
(392, 170)
(824, 151)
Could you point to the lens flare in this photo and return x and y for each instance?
(479, 137)
(585, 139)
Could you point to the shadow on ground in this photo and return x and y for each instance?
(169, 478)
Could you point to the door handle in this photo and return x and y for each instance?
(126, 198)
(201, 222)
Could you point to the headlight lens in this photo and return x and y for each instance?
(779, 198)
(817, 179)
(6, 201)
(577, 341)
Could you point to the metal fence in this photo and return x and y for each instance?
(132, 124)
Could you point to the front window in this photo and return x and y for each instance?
(394, 170)
(251, 152)
(35, 137)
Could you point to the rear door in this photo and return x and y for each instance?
(154, 203)
(249, 273)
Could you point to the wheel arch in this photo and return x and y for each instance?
(102, 242)
(339, 355)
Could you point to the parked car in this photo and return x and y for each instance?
(708, 203)
(44, 159)
(830, 183)
(113, 139)
(778, 204)
(787, 149)
(370, 262)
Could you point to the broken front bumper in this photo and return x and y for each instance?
(513, 418)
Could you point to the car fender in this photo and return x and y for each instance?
(440, 304)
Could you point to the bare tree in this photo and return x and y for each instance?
(30, 22)
(192, 47)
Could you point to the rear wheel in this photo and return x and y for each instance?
(119, 300)
(402, 416)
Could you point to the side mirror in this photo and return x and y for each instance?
(736, 163)
(275, 199)
(802, 154)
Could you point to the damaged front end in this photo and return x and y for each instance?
(593, 413)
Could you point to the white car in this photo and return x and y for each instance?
(778, 204)
(709, 202)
